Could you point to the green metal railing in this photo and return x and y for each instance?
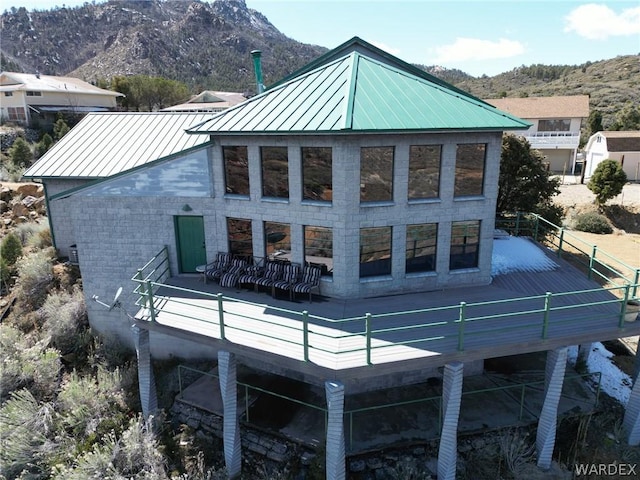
(452, 323)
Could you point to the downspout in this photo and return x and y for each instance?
(257, 66)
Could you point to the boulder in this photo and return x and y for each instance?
(28, 201)
(30, 189)
(5, 194)
(19, 210)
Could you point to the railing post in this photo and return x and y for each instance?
(517, 227)
(522, 401)
(368, 336)
(152, 310)
(560, 242)
(461, 326)
(536, 225)
(221, 315)
(166, 255)
(636, 280)
(592, 259)
(623, 307)
(305, 334)
(545, 322)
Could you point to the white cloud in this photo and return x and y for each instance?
(464, 49)
(598, 22)
(386, 48)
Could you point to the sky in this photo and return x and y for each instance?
(477, 37)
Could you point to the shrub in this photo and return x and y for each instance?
(607, 181)
(29, 232)
(35, 278)
(592, 222)
(11, 248)
(64, 321)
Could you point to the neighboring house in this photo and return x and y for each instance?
(382, 176)
(35, 99)
(555, 129)
(623, 146)
(208, 101)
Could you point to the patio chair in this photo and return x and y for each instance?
(272, 272)
(254, 270)
(221, 264)
(310, 280)
(230, 278)
(290, 275)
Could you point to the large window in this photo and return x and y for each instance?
(236, 170)
(16, 114)
(424, 171)
(240, 237)
(318, 248)
(275, 172)
(34, 94)
(375, 251)
(376, 174)
(554, 125)
(277, 239)
(421, 247)
(470, 160)
(316, 174)
(465, 243)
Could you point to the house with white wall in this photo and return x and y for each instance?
(555, 126)
(622, 146)
(31, 99)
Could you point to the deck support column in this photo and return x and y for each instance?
(146, 380)
(631, 421)
(636, 364)
(451, 398)
(335, 448)
(230, 424)
(547, 423)
(584, 349)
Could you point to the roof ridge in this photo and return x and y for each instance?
(350, 91)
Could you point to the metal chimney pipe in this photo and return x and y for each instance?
(257, 66)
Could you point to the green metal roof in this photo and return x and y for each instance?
(359, 88)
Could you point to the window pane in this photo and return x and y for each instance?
(555, 125)
(236, 170)
(318, 248)
(421, 247)
(240, 237)
(465, 241)
(469, 169)
(316, 173)
(375, 251)
(275, 172)
(424, 171)
(277, 238)
(376, 174)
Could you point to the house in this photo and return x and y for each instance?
(623, 146)
(555, 126)
(358, 166)
(208, 101)
(35, 99)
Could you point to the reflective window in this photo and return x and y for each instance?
(181, 177)
(375, 251)
(469, 169)
(275, 172)
(465, 243)
(554, 125)
(240, 236)
(421, 247)
(376, 174)
(236, 170)
(316, 174)
(318, 248)
(424, 171)
(277, 237)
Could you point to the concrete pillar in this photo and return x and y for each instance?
(554, 378)
(636, 363)
(146, 380)
(335, 449)
(451, 398)
(584, 350)
(230, 424)
(631, 421)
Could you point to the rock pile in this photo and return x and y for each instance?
(21, 203)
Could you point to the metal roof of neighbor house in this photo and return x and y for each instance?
(208, 101)
(567, 106)
(104, 144)
(13, 81)
(359, 88)
(622, 141)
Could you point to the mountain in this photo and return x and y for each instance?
(205, 45)
(208, 45)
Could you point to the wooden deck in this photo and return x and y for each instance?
(269, 333)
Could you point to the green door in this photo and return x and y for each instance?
(190, 243)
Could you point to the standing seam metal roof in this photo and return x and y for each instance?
(356, 92)
(104, 144)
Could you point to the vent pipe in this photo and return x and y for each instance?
(257, 66)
